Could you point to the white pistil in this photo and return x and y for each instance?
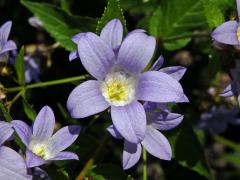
(119, 88)
(40, 149)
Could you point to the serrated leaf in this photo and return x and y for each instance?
(176, 18)
(212, 13)
(29, 111)
(59, 24)
(20, 67)
(111, 11)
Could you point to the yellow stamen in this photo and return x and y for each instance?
(238, 34)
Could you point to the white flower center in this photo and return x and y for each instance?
(119, 88)
(40, 149)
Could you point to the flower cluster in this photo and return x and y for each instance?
(122, 85)
(137, 99)
(42, 146)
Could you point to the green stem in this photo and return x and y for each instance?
(144, 153)
(47, 83)
(227, 142)
(195, 34)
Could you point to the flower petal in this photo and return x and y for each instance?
(65, 156)
(131, 154)
(6, 131)
(238, 8)
(23, 131)
(167, 121)
(44, 124)
(96, 56)
(159, 87)
(130, 121)
(176, 72)
(12, 165)
(226, 33)
(73, 55)
(77, 37)
(62, 139)
(5, 31)
(112, 33)
(228, 91)
(33, 160)
(158, 64)
(86, 100)
(136, 51)
(157, 144)
(114, 132)
(9, 46)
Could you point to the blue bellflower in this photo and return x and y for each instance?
(121, 84)
(42, 145)
(6, 45)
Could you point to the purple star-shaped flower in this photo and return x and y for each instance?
(228, 32)
(154, 141)
(42, 145)
(218, 119)
(117, 65)
(5, 44)
(11, 163)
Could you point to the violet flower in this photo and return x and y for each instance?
(117, 65)
(6, 131)
(11, 163)
(218, 119)
(6, 45)
(228, 32)
(32, 69)
(154, 141)
(42, 146)
(233, 89)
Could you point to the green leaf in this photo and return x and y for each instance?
(187, 150)
(108, 171)
(112, 10)
(20, 67)
(176, 18)
(29, 111)
(65, 5)
(61, 26)
(212, 13)
(174, 45)
(5, 112)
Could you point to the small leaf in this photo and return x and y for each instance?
(29, 111)
(20, 67)
(61, 26)
(5, 112)
(212, 13)
(112, 10)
